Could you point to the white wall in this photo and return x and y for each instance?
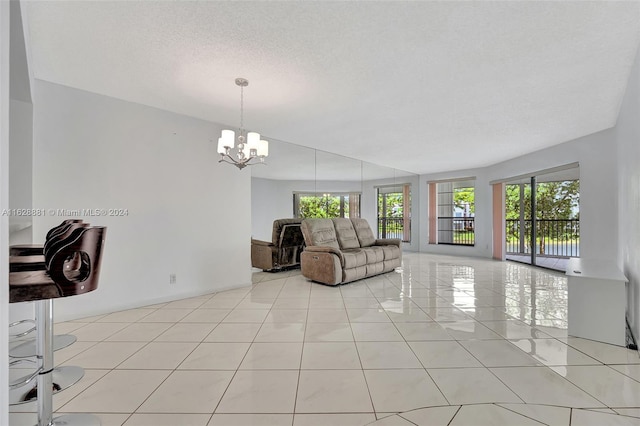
(627, 133)
(20, 186)
(597, 157)
(4, 204)
(20, 170)
(187, 214)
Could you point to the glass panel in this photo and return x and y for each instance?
(391, 207)
(557, 219)
(323, 205)
(456, 212)
(518, 218)
(338, 185)
(394, 212)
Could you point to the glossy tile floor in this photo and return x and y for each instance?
(447, 340)
(556, 263)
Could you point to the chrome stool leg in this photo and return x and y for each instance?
(44, 349)
(44, 346)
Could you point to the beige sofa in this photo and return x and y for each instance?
(342, 250)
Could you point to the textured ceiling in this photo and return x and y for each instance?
(420, 86)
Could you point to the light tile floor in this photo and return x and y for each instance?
(556, 263)
(443, 341)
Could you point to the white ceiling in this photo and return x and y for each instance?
(420, 86)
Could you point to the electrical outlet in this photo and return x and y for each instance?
(172, 278)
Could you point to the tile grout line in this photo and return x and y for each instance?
(379, 293)
(304, 335)
(245, 355)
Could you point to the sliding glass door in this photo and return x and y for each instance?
(543, 219)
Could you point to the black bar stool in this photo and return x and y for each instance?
(72, 261)
(31, 257)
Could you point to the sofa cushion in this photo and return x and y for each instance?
(364, 232)
(374, 254)
(354, 258)
(375, 269)
(345, 233)
(354, 274)
(390, 265)
(391, 252)
(320, 232)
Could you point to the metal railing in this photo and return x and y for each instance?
(456, 230)
(393, 227)
(555, 237)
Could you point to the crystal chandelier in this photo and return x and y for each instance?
(249, 148)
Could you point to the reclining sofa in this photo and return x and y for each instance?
(341, 250)
(283, 251)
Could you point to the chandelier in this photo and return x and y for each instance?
(250, 148)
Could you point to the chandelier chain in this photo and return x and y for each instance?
(241, 109)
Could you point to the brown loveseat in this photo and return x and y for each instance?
(342, 250)
(284, 249)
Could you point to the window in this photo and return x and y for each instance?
(394, 212)
(556, 217)
(456, 212)
(326, 205)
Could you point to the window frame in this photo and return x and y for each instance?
(405, 191)
(460, 230)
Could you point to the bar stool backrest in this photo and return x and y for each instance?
(61, 233)
(63, 226)
(73, 263)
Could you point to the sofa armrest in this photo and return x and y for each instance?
(388, 242)
(263, 255)
(261, 243)
(321, 266)
(326, 249)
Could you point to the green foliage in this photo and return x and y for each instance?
(322, 206)
(512, 208)
(558, 200)
(391, 214)
(394, 205)
(465, 198)
(555, 201)
(464, 237)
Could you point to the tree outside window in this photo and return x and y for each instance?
(326, 205)
(557, 212)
